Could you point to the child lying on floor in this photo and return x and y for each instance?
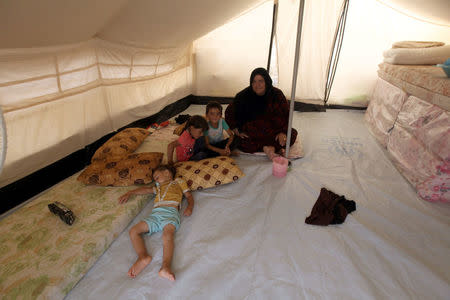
(165, 217)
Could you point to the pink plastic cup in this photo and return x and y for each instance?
(279, 166)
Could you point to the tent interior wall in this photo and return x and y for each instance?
(72, 72)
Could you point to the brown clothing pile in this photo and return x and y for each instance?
(330, 209)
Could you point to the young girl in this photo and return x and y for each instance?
(165, 217)
(214, 139)
(185, 144)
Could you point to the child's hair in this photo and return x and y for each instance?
(213, 104)
(197, 121)
(169, 168)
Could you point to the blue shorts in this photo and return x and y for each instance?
(160, 217)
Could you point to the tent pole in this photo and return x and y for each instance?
(294, 75)
(272, 35)
(3, 139)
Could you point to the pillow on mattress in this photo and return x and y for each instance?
(417, 56)
(122, 143)
(158, 142)
(133, 169)
(179, 129)
(209, 172)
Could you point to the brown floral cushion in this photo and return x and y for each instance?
(122, 143)
(209, 172)
(132, 169)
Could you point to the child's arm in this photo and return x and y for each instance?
(139, 191)
(215, 149)
(230, 139)
(170, 149)
(190, 199)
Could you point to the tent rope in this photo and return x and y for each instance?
(272, 35)
(337, 45)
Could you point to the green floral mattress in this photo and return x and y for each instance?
(43, 258)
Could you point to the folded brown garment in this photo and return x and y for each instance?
(330, 208)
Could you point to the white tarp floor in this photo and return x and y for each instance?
(248, 240)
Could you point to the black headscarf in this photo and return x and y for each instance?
(248, 105)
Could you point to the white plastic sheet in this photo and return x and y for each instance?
(248, 240)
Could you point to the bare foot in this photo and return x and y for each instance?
(166, 273)
(138, 266)
(270, 152)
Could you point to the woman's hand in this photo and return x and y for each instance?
(240, 134)
(281, 138)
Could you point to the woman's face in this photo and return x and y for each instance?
(259, 85)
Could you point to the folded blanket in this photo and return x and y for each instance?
(417, 56)
(416, 44)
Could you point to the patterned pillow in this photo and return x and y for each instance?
(122, 143)
(122, 170)
(208, 172)
(179, 129)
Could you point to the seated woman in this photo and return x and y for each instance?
(259, 115)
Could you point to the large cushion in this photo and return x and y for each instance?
(127, 170)
(209, 172)
(122, 143)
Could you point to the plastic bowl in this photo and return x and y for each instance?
(446, 69)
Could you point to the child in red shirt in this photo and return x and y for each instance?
(184, 145)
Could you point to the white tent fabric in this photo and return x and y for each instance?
(248, 240)
(142, 23)
(58, 99)
(73, 71)
(225, 57)
(250, 37)
(319, 25)
(434, 11)
(372, 28)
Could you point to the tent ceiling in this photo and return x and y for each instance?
(169, 23)
(437, 11)
(147, 23)
(30, 23)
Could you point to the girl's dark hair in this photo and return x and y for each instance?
(197, 121)
(170, 168)
(213, 104)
